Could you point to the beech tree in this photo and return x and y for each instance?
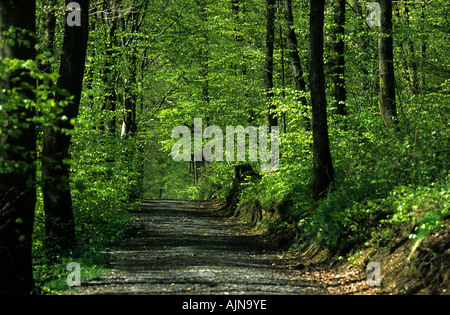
(300, 83)
(60, 226)
(17, 145)
(339, 92)
(268, 68)
(110, 77)
(323, 171)
(386, 99)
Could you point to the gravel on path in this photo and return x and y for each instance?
(181, 248)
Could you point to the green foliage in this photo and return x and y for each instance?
(12, 120)
(179, 60)
(426, 207)
(51, 277)
(371, 161)
(105, 186)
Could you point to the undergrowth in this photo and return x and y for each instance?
(385, 180)
(104, 193)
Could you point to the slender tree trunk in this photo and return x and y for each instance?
(17, 183)
(422, 50)
(109, 74)
(129, 123)
(386, 100)
(294, 57)
(366, 85)
(60, 225)
(49, 35)
(338, 64)
(268, 68)
(323, 171)
(283, 68)
(205, 61)
(410, 57)
(132, 24)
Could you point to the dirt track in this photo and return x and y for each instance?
(181, 248)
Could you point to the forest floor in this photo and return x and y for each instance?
(183, 247)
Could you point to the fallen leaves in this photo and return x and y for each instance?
(340, 283)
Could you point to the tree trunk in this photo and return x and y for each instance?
(132, 25)
(422, 51)
(49, 35)
(300, 83)
(367, 86)
(410, 58)
(60, 227)
(323, 172)
(338, 64)
(386, 100)
(17, 183)
(129, 123)
(109, 74)
(283, 70)
(268, 68)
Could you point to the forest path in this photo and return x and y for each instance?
(182, 248)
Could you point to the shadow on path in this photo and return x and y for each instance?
(180, 248)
